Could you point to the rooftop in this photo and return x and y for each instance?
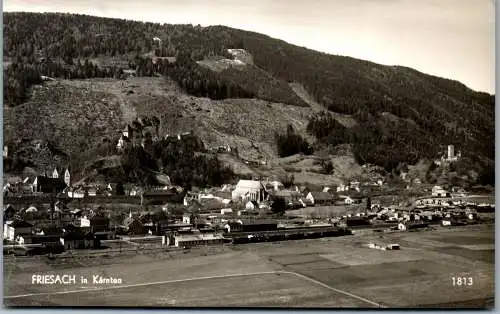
(197, 237)
(322, 196)
(256, 221)
(248, 184)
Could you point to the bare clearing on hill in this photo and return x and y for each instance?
(248, 124)
(106, 105)
(70, 119)
(344, 119)
(219, 65)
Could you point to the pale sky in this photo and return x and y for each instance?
(449, 38)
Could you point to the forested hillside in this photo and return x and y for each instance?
(403, 115)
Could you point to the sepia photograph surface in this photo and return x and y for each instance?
(249, 154)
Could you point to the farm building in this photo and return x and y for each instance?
(249, 190)
(320, 198)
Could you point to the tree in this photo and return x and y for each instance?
(327, 166)
(279, 206)
(120, 190)
(288, 180)
(368, 203)
(292, 143)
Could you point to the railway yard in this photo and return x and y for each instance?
(326, 272)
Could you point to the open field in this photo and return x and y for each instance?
(328, 272)
(282, 289)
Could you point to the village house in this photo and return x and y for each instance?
(9, 212)
(352, 200)
(12, 229)
(438, 191)
(59, 206)
(251, 205)
(472, 216)
(355, 185)
(411, 225)
(303, 190)
(187, 218)
(188, 199)
(123, 143)
(132, 190)
(112, 189)
(31, 209)
(320, 198)
(276, 185)
(140, 134)
(343, 188)
(128, 131)
(91, 191)
(82, 222)
(8, 189)
(77, 192)
(327, 189)
(249, 190)
(157, 40)
(445, 222)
